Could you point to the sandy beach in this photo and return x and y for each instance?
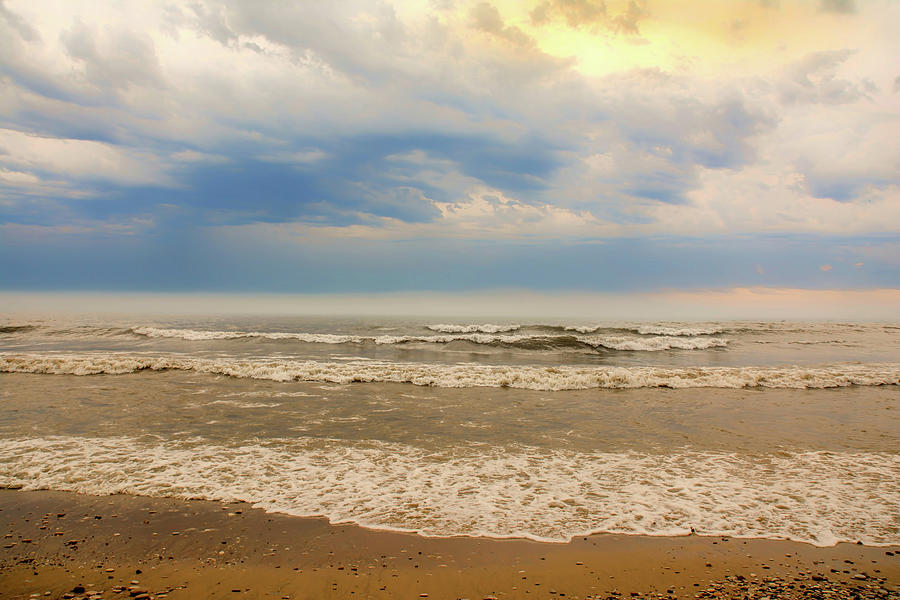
(64, 545)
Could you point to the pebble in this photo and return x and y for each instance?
(815, 588)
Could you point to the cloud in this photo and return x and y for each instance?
(303, 157)
(838, 6)
(575, 13)
(78, 159)
(113, 58)
(486, 17)
(591, 14)
(825, 268)
(468, 123)
(814, 80)
(26, 31)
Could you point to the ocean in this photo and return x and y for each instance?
(544, 429)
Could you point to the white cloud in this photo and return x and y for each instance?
(72, 158)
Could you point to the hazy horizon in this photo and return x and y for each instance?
(698, 305)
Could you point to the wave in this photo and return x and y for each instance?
(578, 328)
(470, 489)
(534, 342)
(664, 330)
(18, 328)
(485, 328)
(239, 404)
(656, 344)
(680, 331)
(464, 376)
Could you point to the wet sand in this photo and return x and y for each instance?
(64, 545)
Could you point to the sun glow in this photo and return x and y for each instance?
(704, 36)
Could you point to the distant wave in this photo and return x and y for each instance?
(808, 342)
(583, 328)
(17, 328)
(663, 330)
(485, 328)
(526, 341)
(533, 336)
(461, 376)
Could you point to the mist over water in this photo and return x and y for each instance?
(543, 428)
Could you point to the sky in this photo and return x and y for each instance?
(444, 146)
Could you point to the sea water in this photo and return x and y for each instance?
(541, 428)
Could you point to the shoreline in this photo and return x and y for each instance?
(61, 542)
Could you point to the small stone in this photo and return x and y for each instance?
(78, 589)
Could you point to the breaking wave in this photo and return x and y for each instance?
(485, 328)
(526, 341)
(663, 330)
(470, 489)
(465, 375)
(17, 328)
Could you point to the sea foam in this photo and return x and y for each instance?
(484, 328)
(471, 489)
(464, 375)
(527, 341)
